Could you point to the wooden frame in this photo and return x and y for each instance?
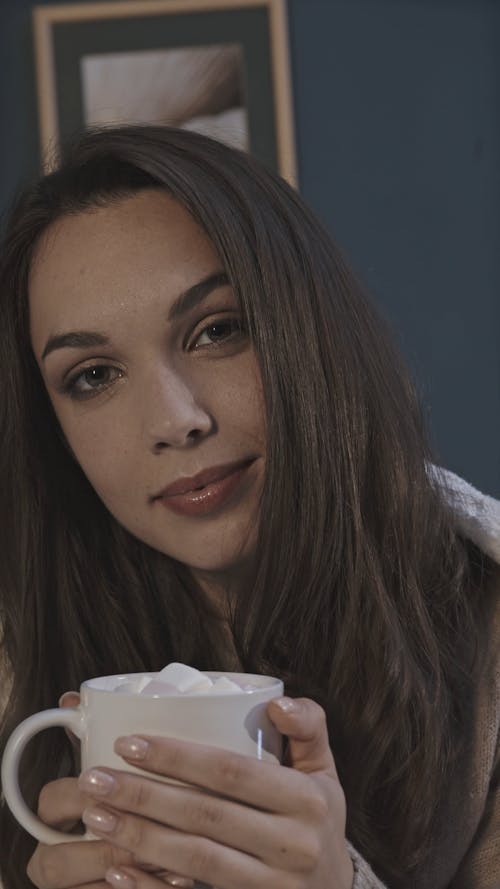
(69, 38)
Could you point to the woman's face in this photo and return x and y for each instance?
(153, 380)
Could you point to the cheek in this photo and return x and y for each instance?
(101, 454)
(247, 425)
(244, 409)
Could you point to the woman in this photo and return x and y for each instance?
(212, 454)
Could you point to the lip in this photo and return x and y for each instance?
(205, 492)
(189, 484)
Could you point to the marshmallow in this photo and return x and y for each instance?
(185, 679)
(180, 679)
(226, 686)
(133, 686)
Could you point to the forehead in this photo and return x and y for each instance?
(150, 217)
(99, 259)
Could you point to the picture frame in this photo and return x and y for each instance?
(219, 66)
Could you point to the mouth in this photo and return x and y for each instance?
(208, 491)
(202, 479)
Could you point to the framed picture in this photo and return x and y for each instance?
(220, 67)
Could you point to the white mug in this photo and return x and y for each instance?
(236, 722)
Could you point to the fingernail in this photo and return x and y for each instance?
(286, 704)
(96, 783)
(119, 879)
(176, 880)
(99, 819)
(132, 747)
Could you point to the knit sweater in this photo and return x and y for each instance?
(467, 841)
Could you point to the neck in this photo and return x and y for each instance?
(221, 589)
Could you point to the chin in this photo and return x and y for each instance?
(230, 563)
(226, 549)
(227, 563)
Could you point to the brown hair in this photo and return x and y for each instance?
(362, 598)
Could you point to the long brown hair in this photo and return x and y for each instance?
(362, 597)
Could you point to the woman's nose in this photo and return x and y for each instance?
(173, 414)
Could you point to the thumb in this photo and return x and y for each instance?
(303, 721)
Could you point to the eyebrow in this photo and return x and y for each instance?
(185, 302)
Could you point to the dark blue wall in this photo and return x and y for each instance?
(398, 133)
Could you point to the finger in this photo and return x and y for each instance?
(279, 840)
(71, 699)
(74, 864)
(100, 885)
(61, 803)
(178, 852)
(261, 784)
(127, 878)
(304, 723)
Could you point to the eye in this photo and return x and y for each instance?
(219, 332)
(91, 380)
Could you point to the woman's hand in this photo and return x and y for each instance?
(82, 864)
(245, 824)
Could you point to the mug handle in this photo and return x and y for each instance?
(68, 717)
